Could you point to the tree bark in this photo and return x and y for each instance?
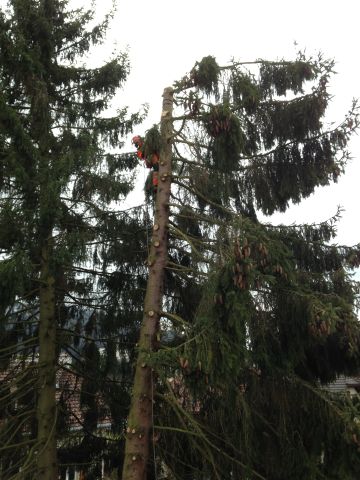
(46, 404)
(140, 420)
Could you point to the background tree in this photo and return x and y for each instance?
(57, 185)
(255, 317)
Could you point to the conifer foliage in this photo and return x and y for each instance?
(243, 322)
(255, 317)
(56, 182)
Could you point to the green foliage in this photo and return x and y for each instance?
(15, 275)
(275, 150)
(245, 92)
(10, 226)
(205, 75)
(277, 78)
(228, 139)
(256, 318)
(243, 372)
(294, 173)
(263, 336)
(152, 142)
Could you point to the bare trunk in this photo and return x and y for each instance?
(140, 421)
(46, 404)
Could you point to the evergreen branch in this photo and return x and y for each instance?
(24, 342)
(257, 62)
(180, 413)
(16, 445)
(199, 429)
(207, 200)
(90, 339)
(9, 436)
(87, 376)
(184, 236)
(30, 463)
(18, 351)
(179, 268)
(91, 434)
(19, 392)
(334, 218)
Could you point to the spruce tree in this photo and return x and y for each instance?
(57, 181)
(250, 319)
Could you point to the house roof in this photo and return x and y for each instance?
(343, 383)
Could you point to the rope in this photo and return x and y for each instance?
(152, 419)
(147, 215)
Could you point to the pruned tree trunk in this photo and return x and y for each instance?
(140, 420)
(46, 404)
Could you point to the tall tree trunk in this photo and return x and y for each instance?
(140, 421)
(46, 404)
